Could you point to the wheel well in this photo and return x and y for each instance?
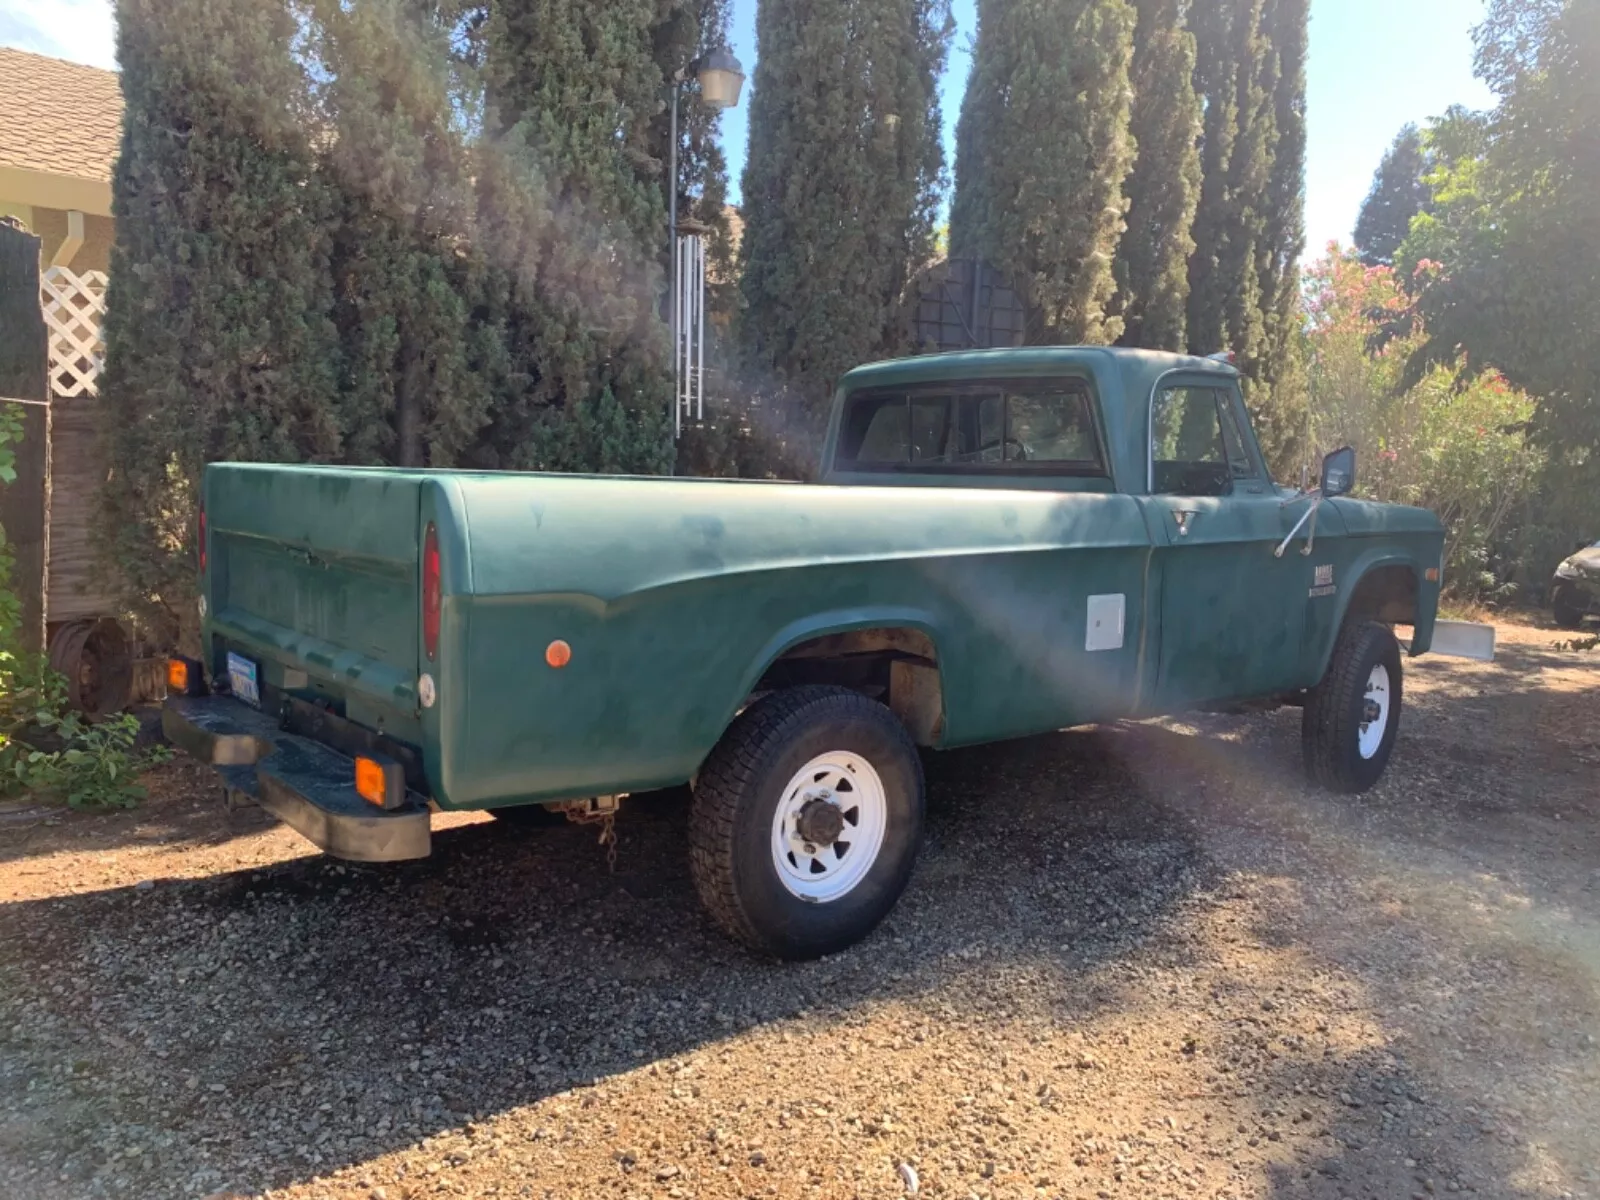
(896, 665)
(1387, 594)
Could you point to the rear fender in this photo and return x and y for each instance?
(821, 625)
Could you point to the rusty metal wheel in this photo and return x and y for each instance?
(97, 662)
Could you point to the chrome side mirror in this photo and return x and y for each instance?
(1339, 473)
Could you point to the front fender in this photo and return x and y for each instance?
(1360, 572)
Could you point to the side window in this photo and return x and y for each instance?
(1240, 463)
(1188, 450)
(930, 429)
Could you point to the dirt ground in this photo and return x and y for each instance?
(1137, 961)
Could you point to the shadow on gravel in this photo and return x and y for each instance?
(191, 1019)
(188, 814)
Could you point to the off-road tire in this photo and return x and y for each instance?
(1330, 725)
(1566, 614)
(736, 797)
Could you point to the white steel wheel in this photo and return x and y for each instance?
(828, 826)
(1374, 712)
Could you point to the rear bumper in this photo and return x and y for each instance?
(303, 783)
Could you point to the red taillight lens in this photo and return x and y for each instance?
(430, 592)
(202, 538)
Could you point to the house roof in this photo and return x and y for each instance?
(58, 120)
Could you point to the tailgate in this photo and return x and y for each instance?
(313, 574)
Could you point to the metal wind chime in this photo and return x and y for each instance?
(689, 327)
(719, 78)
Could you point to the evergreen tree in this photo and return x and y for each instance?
(1398, 194)
(572, 218)
(841, 186)
(1279, 382)
(218, 339)
(1164, 188)
(1042, 154)
(403, 259)
(1249, 228)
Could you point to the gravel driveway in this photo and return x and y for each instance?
(1138, 961)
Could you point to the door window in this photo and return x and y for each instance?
(1189, 451)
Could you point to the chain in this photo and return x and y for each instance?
(608, 839)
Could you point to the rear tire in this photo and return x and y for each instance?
(818, 763)
(1352, 717)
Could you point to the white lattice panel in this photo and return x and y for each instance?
(74, 305)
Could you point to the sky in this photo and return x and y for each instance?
(1374, 65)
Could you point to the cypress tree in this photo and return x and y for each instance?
(1042, 154)
(403, 259)
(1250, 225)
(1398, 194)
(219, 343)
(1164, 188)
(573, 217)
(1281, 386)
(842, 182)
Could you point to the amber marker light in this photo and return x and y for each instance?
(558, 654)
(371, 785)
(1432, 574)
(177, 676)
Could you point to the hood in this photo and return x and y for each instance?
(1587, 561)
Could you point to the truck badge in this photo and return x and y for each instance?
(1322, 582)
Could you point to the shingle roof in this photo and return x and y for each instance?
(58, 117)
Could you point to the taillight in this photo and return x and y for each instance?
(202, 538)
(430, 592)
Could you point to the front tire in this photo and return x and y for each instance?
(806, 821)
(1568, 615)
(1352, 717)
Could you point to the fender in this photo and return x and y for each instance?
(1359, 570)
(821, 624)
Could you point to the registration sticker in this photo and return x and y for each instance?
(242, 679)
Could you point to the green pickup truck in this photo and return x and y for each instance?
(1003, 543)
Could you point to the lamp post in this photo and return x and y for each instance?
(721, 79)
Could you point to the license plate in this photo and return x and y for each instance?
(242, 679)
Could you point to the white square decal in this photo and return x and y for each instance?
(1107, 616)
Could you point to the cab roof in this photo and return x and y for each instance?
(1139, 369)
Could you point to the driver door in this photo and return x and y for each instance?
(1232, 613)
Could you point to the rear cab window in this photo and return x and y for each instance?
(1002, 427)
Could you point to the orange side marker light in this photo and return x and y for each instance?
(177, 677)
(371, 784)
(558, 654)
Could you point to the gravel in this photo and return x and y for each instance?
(1138, 961)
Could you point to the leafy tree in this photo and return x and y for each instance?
(1514, 232)
(1152, 266)
(1452, 440)
(1042, 155)
(572, 216)
(218, 339)
(1398, 194)
(840, 190)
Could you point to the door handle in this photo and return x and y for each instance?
(1183, 516)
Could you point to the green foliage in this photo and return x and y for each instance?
(840, 189)
(1042, 154)
(219, 343)
(1398, 194)
(1152, 266)
(45, 748)
(1454, 441)
(1249, 228)
(49, 751)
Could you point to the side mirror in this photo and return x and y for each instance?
(1339, 473)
